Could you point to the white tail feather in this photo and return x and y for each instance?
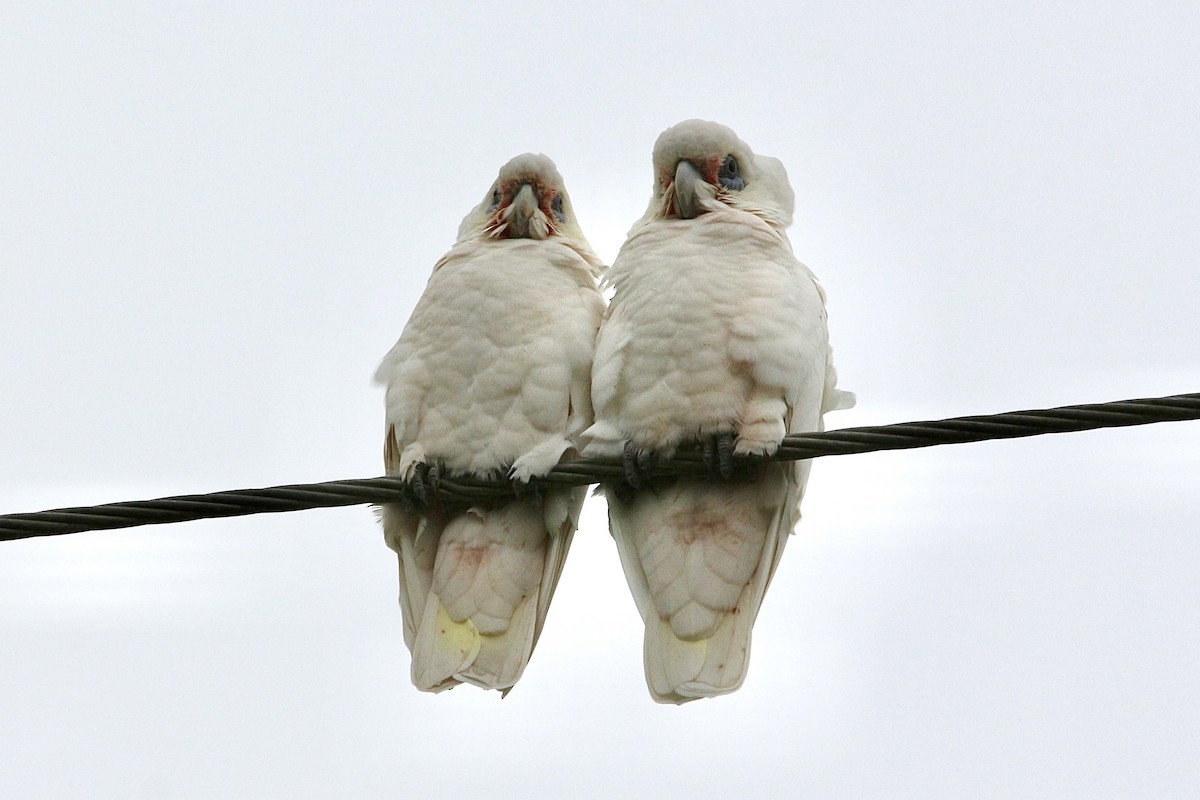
(475, 588)
(684, 549)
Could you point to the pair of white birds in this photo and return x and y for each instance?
(716, 335)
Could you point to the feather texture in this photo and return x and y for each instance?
(490, 376)
(714, 328)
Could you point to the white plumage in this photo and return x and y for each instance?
(715, 328)
(492, 375)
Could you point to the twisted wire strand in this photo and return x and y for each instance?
(465, 489)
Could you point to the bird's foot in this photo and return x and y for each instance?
(425, 481)
(718, 453)
(524, 489)
(637, 465)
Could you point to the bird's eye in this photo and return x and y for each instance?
(729, 176)
(495, 200)
(556, 206)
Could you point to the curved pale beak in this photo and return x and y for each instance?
(521, 211)
(687, 183)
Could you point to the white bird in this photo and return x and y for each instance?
(716, 335)
(491, 376)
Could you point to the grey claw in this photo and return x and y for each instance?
(528, 489)
(420, 474)
(629, 463)
(637, 464)
(724, 448)
(717, 450)
(426, 480)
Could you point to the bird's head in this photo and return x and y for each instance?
(700, 166)
(527, 201)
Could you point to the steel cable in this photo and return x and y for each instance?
(464, 489)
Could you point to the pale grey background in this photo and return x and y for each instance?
(215, 218)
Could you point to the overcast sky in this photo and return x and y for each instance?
(215, 219)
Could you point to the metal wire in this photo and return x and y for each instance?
(466, 489)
